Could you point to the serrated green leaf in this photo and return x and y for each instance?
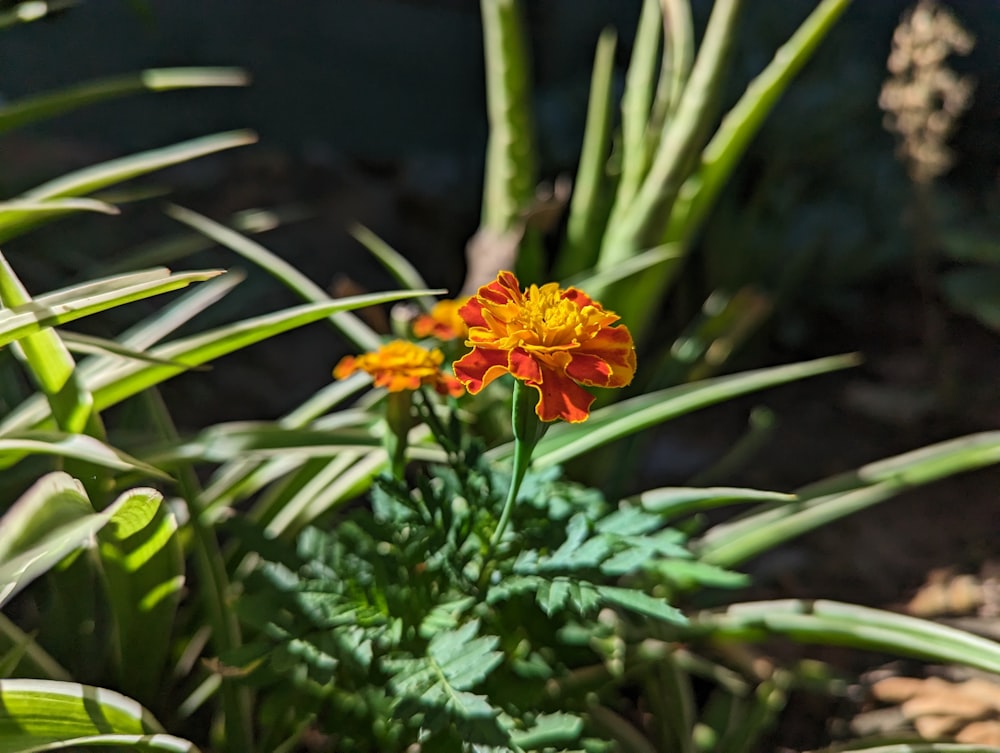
(643, 603)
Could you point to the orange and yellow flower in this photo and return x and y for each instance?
(443, 321)
(400, 365)
(553, 339)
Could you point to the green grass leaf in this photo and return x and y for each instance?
(50, 104)
(50, 521)
(836, 623)
(90, 179)
(729, 544)
(565, 441)
(38, 715)
(351, 326)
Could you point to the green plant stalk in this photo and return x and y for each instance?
(527, 432)
(583, 226)
(399, 421)
(510, 174)
(211, 570)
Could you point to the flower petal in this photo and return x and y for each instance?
(479, 367)
(561, 397)
(614, 346)
(347, 366)
(587, 368)
(523, 366)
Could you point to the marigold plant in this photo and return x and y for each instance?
(400, 365)
(444, 321)
(552, 339)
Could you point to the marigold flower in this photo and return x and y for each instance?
(401, 365)
(555, 340)
(443, 321)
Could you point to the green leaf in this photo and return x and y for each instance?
(49, 362)
(548, 731)
(351, 326)
(76, 446)
(586, 215)
(565, 441)
(456, 661)
(397, 265)
(51, 104)
(743, 121)
(836, 623)
(69, 304)
(642, 603)
(88, 180)
(143, 565)
(38, 715)
(672, 502)
(51, 520)
(729, 544)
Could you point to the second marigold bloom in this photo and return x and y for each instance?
(443, 321)
(553, 339)
(400, 365)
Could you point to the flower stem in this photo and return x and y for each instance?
(526, 436)
(400, 421)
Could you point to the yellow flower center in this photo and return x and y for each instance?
(543, 321)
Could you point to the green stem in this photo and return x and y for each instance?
(527, 432)
(400, 421)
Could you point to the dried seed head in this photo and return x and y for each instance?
(923, 98)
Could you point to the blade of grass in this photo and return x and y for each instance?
(836, 623)
(744, 120)
(637, 101)
(394, 262)
(40, 715)
(50, 104)
(729, 544)
(586, 215)
(351, 326)
(74, 303)
(565, 441)
(50, 364)
(90, 179)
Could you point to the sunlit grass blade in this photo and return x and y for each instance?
(70, 304)
(678, 57)
(744, 120)
(138, 338)
(394, 262)
(80, 447)
(836, 623)
(51, 520)
(51, 104)
(143, 568)
(49, 362)
(566, 441)
(637, 101)
(586, 213)
(37, 715)
(242, 478)
(729, 544)
(46, 209)
(90, 179)
(351, 326)
(128, 379)
(259, 439)
(676, 501)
